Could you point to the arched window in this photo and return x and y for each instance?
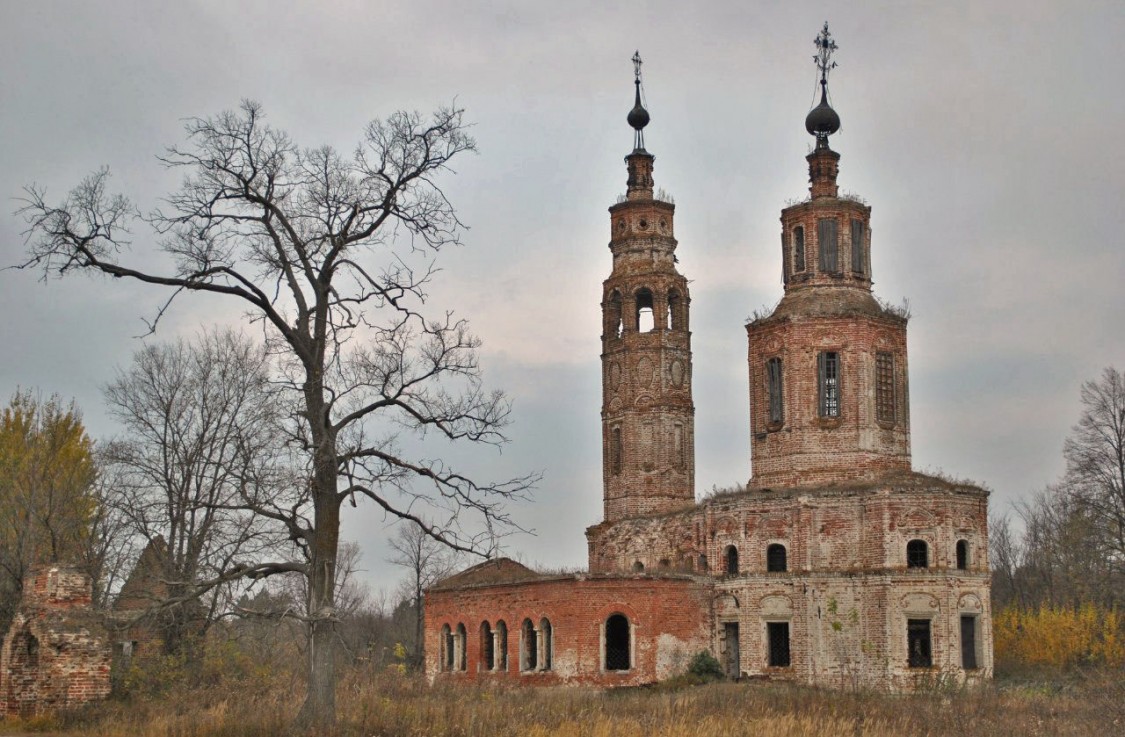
(487, 659)
(859, 247)
(446, 648)
(462, 656)
(730, 559)
(677, 311)
(638, 567)
(529, 646)
(773, 390)
(664, 564)
(798, 249)
(776, 559)
(827, 244)
(917, 556)
(612, 325)
(962, 555)
(646, 320)
(828, 383)
(703, 563)
(546, 643)
(617, 644)
(501, 645)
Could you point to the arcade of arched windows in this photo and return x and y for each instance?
(644, 310)
(532, 648)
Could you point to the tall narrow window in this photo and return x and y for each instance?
(968, 642)
(615, 450)
(679, 447)
(487, 653)
(645, 318)
(828, 245)
(617, 646)
(677, 315)
(773, 383)
(731, 559)
(799, 249)
(859, 247)
(502, 646)
(918, 643)
(529, 646)
(775, 558)
(462, 656)
(885, 386)
(778, 634)
(613, 315)
(546, 642)
(446, 648)
(917, 554)
(962, 555)
(828, 383)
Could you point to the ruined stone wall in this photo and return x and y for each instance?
(669, 621)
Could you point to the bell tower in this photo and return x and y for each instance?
(648, 451)
(828, 378)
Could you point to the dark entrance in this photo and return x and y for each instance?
(968, 642)
(731, 661)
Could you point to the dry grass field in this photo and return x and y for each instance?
(386, 703)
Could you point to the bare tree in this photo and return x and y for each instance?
(331, 256)
(426, 562)
(201, 438)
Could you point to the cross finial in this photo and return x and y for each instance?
(637, 65)
(825, 46)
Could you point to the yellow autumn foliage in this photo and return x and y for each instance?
(1059, 636)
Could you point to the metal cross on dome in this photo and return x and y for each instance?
(825, 45)
(637, 63)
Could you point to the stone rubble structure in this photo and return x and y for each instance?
(836, 565)
(56, 654)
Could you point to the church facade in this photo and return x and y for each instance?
(836, 565)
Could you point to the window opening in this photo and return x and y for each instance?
(546, 641)
(828, 245)
(778, 633)
(828, 370)
(703, 563)
(638, 567)
(502, 645)
(447, 648)
(646, 319)
(775, 558)
(730, 636)
(859, 247)
(773, 382)
(462, 659)
(799, 248)
(962, 555)
(677, 317)
(529, 647)
(664, 564)
(968, 642)
(918, 643)
(487, 659)
(617, 655)
(731, 559)
(615, 450)
(917, 554)
(679, 448)
(885, 386)
(613, 315)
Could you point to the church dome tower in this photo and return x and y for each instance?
(828, 379)
(647, 411)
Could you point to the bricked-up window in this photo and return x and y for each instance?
(615, 451)
(885, 386)
(918, 643)
(968, 642)
(446, 648)
(917, 554)
(646, 320)
(730, 558)
(775, 558)
(617, 655)
(546, 644)
(773, 387)
(799, 249)
(679, 447)
(502, 645)
(487, 659)
(529, 646)
(962, 555)
(703, 563)
(462, 655)
(859, 247)
(828, 383)
(828, 245)
(778, 634)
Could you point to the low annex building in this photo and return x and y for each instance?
(836, 565)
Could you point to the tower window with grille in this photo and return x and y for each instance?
(617, 650)
(918, 643)
(798, 249)
(778, 635)
(773, 383)
(828, 245)
(828, 383)
(859, 247)
(731, 560)
(917, 554)
(885, 387)
(776, 559)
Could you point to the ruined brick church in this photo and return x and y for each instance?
(837, 564)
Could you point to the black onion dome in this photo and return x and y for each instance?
(638, 116)
(822, 120)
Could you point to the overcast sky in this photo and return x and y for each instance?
(985, 135)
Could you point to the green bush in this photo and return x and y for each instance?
(706, 667)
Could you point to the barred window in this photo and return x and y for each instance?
(918, 643)
(827, 245)
(828, 383)
(617, 651)
(885, 387)
(775, 558)
(773, 376)
(799, 248)
(778, 633)
(859, 247)
(917, 554)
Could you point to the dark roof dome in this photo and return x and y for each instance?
(638, 116)
(822, 120)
